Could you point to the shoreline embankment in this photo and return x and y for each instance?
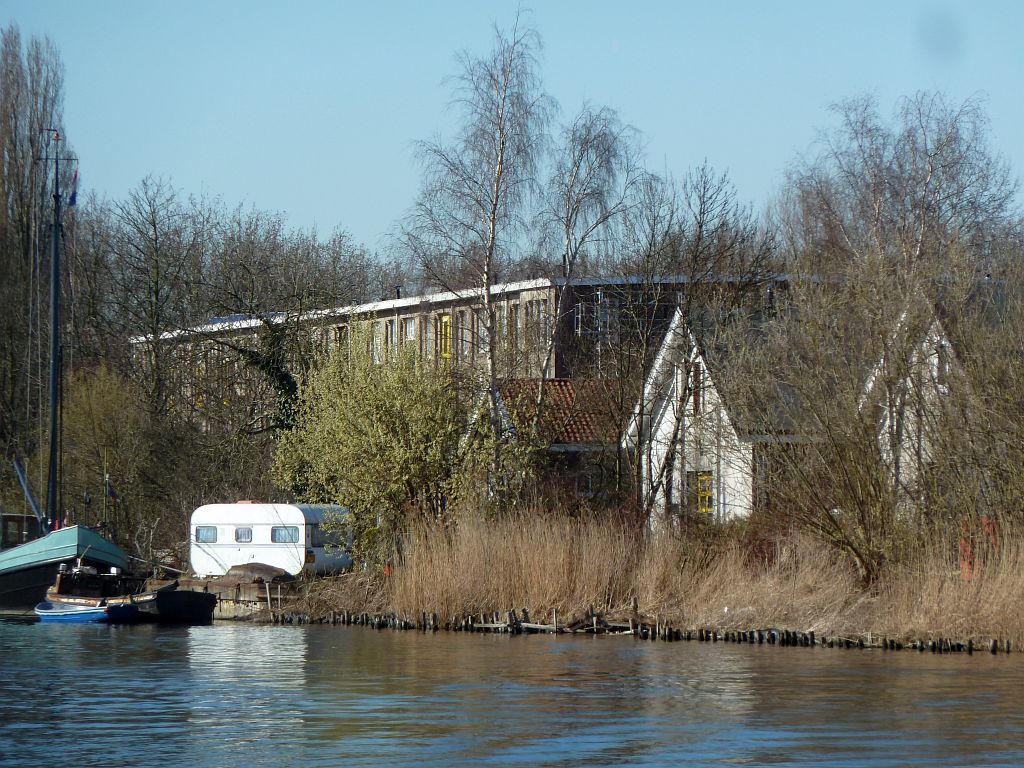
(546, 574)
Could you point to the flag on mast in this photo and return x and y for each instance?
(73, 198)
(109, 489)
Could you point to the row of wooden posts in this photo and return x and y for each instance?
(594, 623)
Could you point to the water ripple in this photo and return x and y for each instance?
(242, 695)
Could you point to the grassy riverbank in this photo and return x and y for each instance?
(720, 580)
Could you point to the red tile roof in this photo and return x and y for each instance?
(576, 412)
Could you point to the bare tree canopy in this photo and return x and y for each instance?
(909, 188)
(473, 201)
(31, 107)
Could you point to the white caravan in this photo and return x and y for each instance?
(287, 536)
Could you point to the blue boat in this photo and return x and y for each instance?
(86, 613)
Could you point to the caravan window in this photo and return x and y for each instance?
(243, 535)
(284, 534)
(321, 538)
(206, 534)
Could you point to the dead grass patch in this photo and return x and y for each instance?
(548, 563)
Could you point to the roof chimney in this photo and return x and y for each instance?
(398, 291)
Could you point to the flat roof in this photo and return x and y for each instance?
(241, 322)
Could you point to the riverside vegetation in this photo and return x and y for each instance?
(737, 579)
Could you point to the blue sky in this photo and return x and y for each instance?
(312, 108)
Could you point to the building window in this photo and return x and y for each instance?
(537, 316)
(700, 493)
(579, 323)
(697, 389)
(408, 330)
(341, 337)
(444, 336)
(605, 312)
(705, 494)
(463, 334)
(480, 330)
(426, 337)
(206, 534)
(513, 322)
(377, 342)
(243, 535)
(942, 365)
(284, 534)
(18, 530)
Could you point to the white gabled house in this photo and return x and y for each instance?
(692, 459)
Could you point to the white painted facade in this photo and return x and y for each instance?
(692, 459)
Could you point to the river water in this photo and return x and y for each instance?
(245, 695)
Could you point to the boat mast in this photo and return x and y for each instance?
(52, 517)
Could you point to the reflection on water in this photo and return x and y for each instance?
(251, 675)
(245, 695)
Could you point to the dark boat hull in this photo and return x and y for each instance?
(179, 606)
(25, 588)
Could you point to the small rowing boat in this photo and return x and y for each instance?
(70, 613)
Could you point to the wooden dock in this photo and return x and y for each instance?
(238, 599)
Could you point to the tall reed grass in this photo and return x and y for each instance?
(551, 563)
(928, 594)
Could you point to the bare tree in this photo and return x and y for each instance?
(911, 188)
(473, 201)
(157, 246)
(894, 226)
(259, 270)
(31, 101)
(590, 187)
(696, 251)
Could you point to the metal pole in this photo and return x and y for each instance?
(104, 481)
(51, 486)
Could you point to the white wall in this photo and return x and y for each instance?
(706, 442)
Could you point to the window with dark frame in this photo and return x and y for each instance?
(284, 534)
(697, 389)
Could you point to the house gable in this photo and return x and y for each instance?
(691, 457)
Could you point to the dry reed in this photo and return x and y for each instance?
(929, 596)
(549, 563)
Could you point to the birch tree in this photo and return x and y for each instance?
(590, 187)
(473, 204)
